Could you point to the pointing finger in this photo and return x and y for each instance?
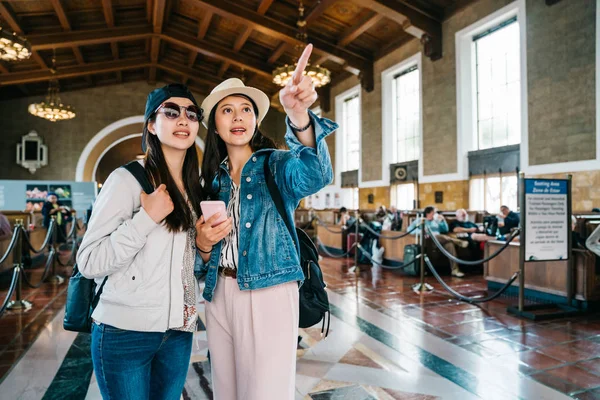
(302, 62)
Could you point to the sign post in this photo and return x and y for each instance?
(545, 235)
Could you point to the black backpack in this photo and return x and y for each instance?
(314, 303)
(82, 298)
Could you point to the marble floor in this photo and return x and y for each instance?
(385, 342)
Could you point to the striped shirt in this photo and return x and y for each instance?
(229, 251)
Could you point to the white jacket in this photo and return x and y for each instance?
(142, 259)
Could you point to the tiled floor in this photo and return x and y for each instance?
(19, 330)
(563, 354)
(386, 342)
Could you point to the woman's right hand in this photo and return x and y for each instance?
(207, 235)
(158, 204)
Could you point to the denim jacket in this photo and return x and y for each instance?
(267, 251)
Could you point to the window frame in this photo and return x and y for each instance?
(388, 115)
(466, 82)
(503, 201)
(340, 133)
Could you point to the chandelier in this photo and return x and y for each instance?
(52, 109)
(13, 47)
(319, 75)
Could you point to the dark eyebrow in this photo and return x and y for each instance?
(231, 105)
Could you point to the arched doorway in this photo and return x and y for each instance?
(112, 135)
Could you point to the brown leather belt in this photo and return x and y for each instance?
(228, 272)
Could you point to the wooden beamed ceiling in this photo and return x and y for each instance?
(202, 42)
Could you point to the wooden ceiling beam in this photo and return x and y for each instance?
(62, 16)
(11, 20)
(108, 13)
(189, 73)
(318, 10)
(109, 16)
(158, 19)
(413, 21)
(64, 23)
(17, 78)
(154, 53)
(223, 69)
(149, 10)
(49, 41)
(281, 31)
(243, 37)
(208, 48)
(264, 6)
(364, 24)
(283, 46)
(203, 26)
(158, 15)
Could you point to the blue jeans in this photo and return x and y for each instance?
(132, 365)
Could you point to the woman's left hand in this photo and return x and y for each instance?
(299, 93)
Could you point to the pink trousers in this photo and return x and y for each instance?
(252, 338)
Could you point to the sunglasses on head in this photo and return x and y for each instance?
(173, 111)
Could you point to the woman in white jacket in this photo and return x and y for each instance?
(144, 323)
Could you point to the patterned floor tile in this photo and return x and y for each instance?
(355, 357)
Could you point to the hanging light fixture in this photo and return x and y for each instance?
(320, 75)
(52, 109)
(13, 47)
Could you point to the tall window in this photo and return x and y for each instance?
(491, 192)
(403, 196)
(351, 130)
(406, 95)
(498, 85)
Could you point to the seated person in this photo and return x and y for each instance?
(462, 225)
(5, 229)
(381, 214)
(345, 219)
(438, 226)
(396, 219)
(510, 220)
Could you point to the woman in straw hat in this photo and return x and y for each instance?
(252, 274)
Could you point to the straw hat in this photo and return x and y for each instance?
(235, 86)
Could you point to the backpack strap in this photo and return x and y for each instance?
(135, 169)
(278, 200)
(139, 172)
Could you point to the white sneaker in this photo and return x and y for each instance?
(457, 273)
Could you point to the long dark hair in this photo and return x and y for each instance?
(158, 172)
(215, 150)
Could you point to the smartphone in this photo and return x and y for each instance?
(211, 207)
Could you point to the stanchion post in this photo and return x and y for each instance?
(422, 286)
(422, 244)
(570, 270)
(19, 304)
(355, 267)
(55, 278)
(522, 233)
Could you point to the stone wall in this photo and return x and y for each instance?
(561, 80)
